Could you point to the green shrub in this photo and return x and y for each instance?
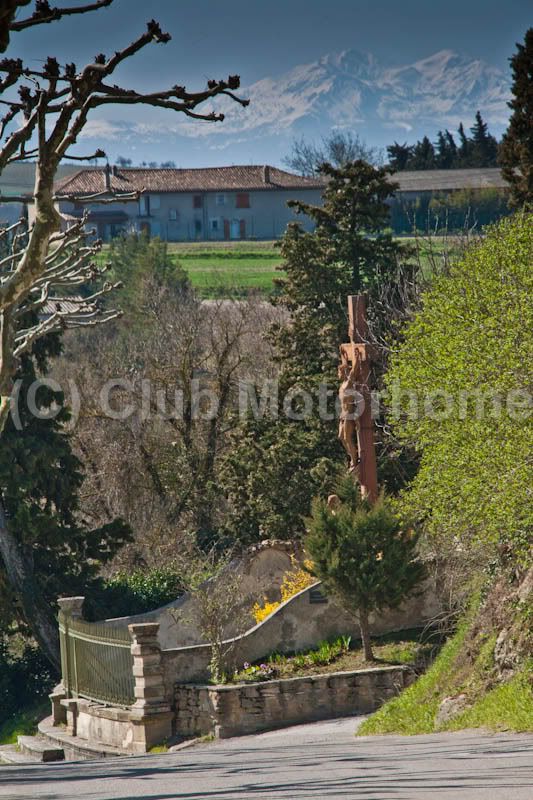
(127, 593)
(363, 555)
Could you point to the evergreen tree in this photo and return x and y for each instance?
(452, 148)
(399, 156)
(484, 149)
(465, 146)
(423, 155)
(276, 466)
(140, 262)
(40, 478)
(516, 151)
(364, 556)
(444, 157)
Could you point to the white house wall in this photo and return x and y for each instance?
(266, 218)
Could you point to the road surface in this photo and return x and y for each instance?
(320, 761)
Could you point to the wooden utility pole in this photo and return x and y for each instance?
(360, 353)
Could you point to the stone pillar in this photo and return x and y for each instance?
(71, 606)
(64, 709)
(151, 716)
(59, 712)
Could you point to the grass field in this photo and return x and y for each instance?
(229, 269)
(235, 268)
(225, 272)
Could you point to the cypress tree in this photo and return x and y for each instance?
(516, 150)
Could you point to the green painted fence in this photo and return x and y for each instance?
(96, 661)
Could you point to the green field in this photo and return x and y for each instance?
(233, 269)
(229, 272)
(224, 268)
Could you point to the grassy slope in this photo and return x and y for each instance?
(466, 665)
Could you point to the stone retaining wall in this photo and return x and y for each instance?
(225, 711)
(297, 625)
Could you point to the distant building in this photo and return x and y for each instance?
(211, 204)
(250, 202)
(447, 199)
(414, 183)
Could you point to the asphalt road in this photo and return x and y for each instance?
(311, 761)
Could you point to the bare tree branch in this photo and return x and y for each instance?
(44, 13)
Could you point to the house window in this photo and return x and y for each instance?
(242, 200)
(197, 227)
(198, 201)
(155, 202)
(144, 205)
(214, 224)
(172, 214)
(220, 200)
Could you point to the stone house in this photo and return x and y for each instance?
(210, 204)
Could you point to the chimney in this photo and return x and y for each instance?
(107, 177)
(115, 171)
(266, 174)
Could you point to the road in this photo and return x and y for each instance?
(320, 761)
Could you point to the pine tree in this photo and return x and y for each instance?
(465, 147)
(423, 155)
(484, 149)
(364, 557)
(516, 150)
(452, 148)
(399, 156)
(444, 155)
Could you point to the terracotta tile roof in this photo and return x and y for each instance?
(210, 179)
(435, 180)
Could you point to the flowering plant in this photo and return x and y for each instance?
(252, 672)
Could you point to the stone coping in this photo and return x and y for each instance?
(319, 676)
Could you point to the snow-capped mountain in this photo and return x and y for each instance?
(349, 90)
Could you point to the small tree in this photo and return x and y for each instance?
(516, 149)
(215, 588)
(363, 556)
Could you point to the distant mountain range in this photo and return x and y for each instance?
(352, 88)
(349, 90)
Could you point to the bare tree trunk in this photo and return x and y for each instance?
(37, 612)
(365, 635)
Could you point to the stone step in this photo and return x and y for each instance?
(75, 748)
(38, 748)
(10, 754)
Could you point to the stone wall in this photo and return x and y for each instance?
(297, 625)
(225, 711)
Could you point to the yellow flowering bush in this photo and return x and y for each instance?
(295, 580)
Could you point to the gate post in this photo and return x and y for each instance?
(69, 608)
(150, 714)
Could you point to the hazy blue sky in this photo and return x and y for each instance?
(260, 38)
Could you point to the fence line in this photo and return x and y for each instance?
(96, 661)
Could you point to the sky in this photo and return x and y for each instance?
(266, 38)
